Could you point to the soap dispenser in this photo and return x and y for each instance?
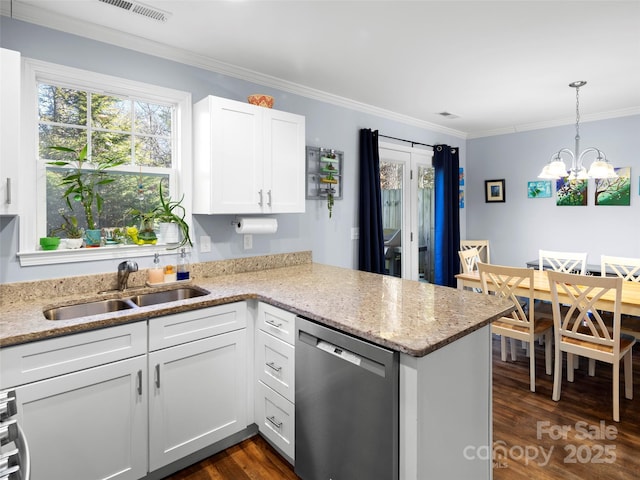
(155, 274)
(183, 266)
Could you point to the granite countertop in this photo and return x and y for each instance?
(407, 316)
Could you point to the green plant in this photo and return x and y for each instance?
(146, 233)
(82, 184)
(70, 226)
(172, 211)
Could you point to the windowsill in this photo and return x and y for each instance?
(51, 257)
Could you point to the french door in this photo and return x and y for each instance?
(406, 180)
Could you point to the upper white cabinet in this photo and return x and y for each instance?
(9, 130)
(248, 159)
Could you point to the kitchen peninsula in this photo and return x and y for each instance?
(442, 334)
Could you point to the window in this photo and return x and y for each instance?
(141, 131)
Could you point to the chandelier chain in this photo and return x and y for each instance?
(577, 113)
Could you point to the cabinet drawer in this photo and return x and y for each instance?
(36, 361)
(185, 327)
(275, 361)
(275, 416)
(277, 322)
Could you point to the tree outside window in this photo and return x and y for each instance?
(133, 130)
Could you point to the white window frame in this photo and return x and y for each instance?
(32, 204)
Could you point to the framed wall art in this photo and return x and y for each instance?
(494, 191)
(539, 189)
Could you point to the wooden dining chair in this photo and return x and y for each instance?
(469, 259)
(481, 245)
(522, 324)
(581, 330)
(627, 268)
(567, 262)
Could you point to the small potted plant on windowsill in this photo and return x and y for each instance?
(50, 242)
(146, 233)
(82, 185)
(171, 215)
(74, 233)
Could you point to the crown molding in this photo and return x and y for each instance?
(623, 112)
(31, 14)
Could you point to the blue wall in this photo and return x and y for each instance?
(521, 225)
(327, 125)
(516, 228)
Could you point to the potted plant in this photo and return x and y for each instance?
(82, 185)
(171, 214)
(74, 233)
(50, 242)
(146, 233)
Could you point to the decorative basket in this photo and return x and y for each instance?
(261, 100)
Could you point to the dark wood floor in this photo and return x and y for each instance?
(528, 438)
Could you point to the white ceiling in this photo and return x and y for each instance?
(498, 66)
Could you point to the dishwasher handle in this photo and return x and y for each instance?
(344, 354)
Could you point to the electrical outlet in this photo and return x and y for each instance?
(205, 244)
(355, 233)
(248, 242)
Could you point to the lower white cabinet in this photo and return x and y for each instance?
(88, 423)
(197, 395)
(275, 377)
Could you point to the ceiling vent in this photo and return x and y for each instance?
(448, 115)
(140, 9)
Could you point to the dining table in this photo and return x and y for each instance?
(630, 303)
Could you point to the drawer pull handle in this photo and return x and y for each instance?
(273, 366)
(139, 382)
(273, 323)
(275, 422)
(157, 375)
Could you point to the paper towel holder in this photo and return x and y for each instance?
(255, 225)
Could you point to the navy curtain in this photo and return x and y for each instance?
(447, 215)
(371, 243)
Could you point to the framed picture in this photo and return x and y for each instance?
(494, 191)
(539, 189)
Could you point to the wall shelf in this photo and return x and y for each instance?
(324, 173)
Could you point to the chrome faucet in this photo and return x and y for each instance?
(124, 269)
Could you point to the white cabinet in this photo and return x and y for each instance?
(9, 130)
(197, 380)
(275, 376)
(248, 159)
(88, 423)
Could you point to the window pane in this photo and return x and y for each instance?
(62, 105)
(126, 192)
(69, 137)
(153, 119)
(153, 152)
(111, 146)
(111, 113)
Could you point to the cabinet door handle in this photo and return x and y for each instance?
(273, 323)
(275, 422)
(273, 366)
(269, 194)
(157, 375)
(260, 202)
(139, 382)
(8, 191)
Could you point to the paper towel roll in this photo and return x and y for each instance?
(256, 225)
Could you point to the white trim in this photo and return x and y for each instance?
(31, 197)
(52, 257)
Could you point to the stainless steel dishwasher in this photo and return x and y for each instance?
(346, 396)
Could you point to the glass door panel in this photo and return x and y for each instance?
(391, 183)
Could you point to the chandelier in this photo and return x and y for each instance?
(556, 168)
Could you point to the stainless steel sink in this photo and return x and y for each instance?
(89, 308)
(155, 298)
(86, 309)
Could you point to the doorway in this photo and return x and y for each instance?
(406, 180)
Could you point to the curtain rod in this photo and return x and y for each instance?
(408, 141)
(412, 142)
